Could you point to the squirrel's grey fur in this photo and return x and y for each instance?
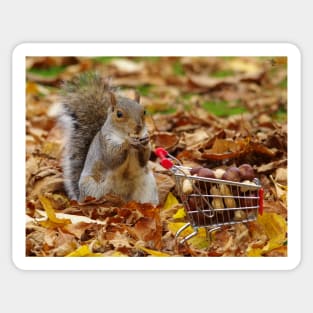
(99, 156)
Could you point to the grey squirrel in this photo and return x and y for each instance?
(107, 146)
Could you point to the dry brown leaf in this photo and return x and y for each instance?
(211, 82)
(198, 136)
(165, 184)
(149, 230)
(120, 240)
(79, 229)
(165, 140)
(64, 244)
(264, 168)
(125, 66)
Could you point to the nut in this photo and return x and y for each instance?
(229, 202)
(232, 174)
(187, 187)
(195, 170)
(246, 188)
(246, 172)
(206, 172)
(219, 172)
(239, 215)
(217, 202)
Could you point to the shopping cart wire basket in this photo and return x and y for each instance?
(211, 203)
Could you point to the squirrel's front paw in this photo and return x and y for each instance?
(137, 142)
(145, 140)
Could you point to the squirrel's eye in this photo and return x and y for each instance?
(119, 113)
(144, 112)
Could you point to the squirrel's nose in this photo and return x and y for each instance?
(138, 129)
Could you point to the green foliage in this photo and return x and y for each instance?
(169, 110)
(105, 59)
(188, 96)
(228, 58)
(178, 69)
(284, 83)
(222, 108)
(47, 72)
(223, 73)
(149, 59)
(144, 90)
(281, 115)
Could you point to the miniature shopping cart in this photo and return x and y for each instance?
(213, 203)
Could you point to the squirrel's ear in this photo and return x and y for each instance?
(112, 100)
(137, 96)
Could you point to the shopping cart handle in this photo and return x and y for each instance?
(261, 197)
(162, 154)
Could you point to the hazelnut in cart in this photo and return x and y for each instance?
(213, 199)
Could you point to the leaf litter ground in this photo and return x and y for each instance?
(215, 112)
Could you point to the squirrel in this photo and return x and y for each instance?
(107, 146)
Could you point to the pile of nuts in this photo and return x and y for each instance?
(230, 199)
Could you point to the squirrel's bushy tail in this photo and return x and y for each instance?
(84, 110)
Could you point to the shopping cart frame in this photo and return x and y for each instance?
(235, 202)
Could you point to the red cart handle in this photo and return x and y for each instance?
(162, 154)
(261, 197)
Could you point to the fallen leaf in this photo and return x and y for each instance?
(281, 251)
(63, 244)
(171, 201)
(125, 66)
(165, 184)
(243, 65)
(198, 136)
(275, 227)
(205, 81)
(181, 213)
(153, 252)
(148, 229)
(165, 140)
(83, 251)
(264, 168)
(281, 175)
(120, 240)
(199, 241)
(50, 212)
(278, 207)
(281, 190)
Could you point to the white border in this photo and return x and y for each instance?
(156, 49)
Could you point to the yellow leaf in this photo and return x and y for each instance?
(53, 149)
(170, 201)
(50, 212)
(153, 252)
(118, 254)
(180, 213)
(83, 251)
(278, 61)
(31, 88)
(199, 241)
(254, 251)
(275, 228)
(174, 227)
(49, 224)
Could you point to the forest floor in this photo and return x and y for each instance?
(213, 112)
